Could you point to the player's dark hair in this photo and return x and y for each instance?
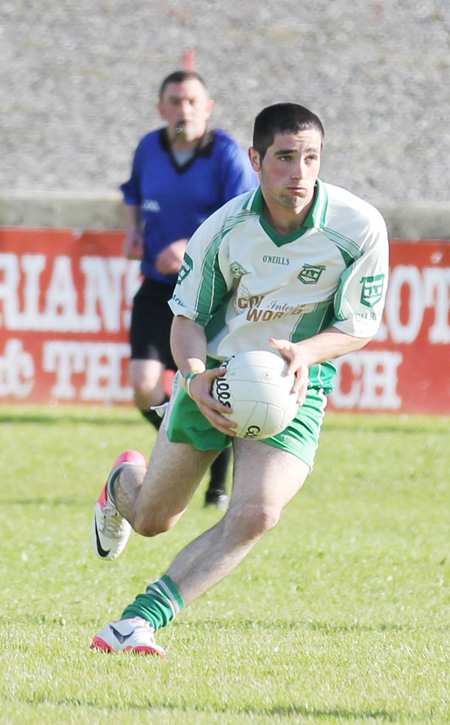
(282, 118)
(179, 76)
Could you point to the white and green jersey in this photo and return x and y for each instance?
(244, 283)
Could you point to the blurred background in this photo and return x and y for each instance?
(79, 81)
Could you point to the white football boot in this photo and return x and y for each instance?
(110, 531)
(134, 634)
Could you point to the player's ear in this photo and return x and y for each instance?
(160, 108)
(209, 106)
(253, 155)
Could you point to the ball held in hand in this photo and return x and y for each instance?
(257, 390)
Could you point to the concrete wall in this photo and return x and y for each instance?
(78, 210)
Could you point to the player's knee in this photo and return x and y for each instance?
(148, 525)
(267, 517)
(252, 521)
(143, 388)
(145, 374)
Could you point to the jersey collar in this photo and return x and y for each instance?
(314, 220)
(204, 148)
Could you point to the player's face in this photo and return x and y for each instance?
(186, 108)
(289, 169)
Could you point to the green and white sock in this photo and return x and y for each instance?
(159, 605)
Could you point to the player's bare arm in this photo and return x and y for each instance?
(133, 244)
(170, 259)
(188, 342)
(327, 345)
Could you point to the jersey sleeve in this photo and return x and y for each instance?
(361, 294)
(131, 189)
(202, 285)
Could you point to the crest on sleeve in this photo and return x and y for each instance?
(186, 267)
(372, 290)
(237, 270)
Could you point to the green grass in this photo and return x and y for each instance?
(340, 615)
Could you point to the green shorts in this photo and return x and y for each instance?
(184, 423)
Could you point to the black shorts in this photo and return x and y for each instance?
(151, 320)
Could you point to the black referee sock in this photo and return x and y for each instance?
(219, 471)
(152, 416)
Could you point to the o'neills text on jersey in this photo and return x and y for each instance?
(276, 260)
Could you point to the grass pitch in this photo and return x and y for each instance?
(340, 615)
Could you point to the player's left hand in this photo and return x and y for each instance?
(298, 365)
(169, 261)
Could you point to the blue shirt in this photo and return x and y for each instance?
(174, 200)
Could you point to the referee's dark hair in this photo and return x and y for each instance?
(179, 76)
(282, 118)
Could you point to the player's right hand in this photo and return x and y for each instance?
(169, 261)
(133, 245)
(200, 391)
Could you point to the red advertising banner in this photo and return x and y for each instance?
(406, 368)
(65, 302)
(64, 316)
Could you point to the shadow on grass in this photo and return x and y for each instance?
(41, 502)
(357, 425)
(258, 625)
(189, 713)
(340, 422)
(284, 626)
(50, 419)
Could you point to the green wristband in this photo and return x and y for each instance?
(187, 381)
